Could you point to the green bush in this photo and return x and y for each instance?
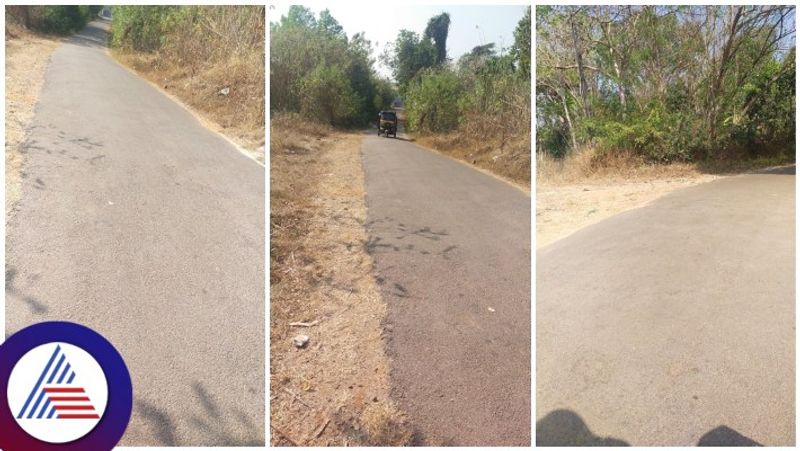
(316, 69)
(56, 19)
(326, 94)
(433, 101)
(143, 28)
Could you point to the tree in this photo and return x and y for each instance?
(437, 29)
(408, 55)
(521, 50)
(327, 24)
(317, 71)
(666, 82)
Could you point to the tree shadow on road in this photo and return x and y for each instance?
(211, 425)
(94, 35)
(36, 306)
(566, 428)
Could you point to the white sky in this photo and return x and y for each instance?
(382, 21)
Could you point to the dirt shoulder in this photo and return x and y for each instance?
(335, 390)
(563, 210)
(27, 55)
(578, 191)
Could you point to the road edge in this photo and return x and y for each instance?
(525, 190)
(206, 123)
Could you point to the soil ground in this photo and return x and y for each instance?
(562, 210)
(27, 55)
(583, 189)
(334, 390)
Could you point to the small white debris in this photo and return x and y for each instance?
(300, 341)
(110, 203)
(304, 324)
(491, 309)
(225, 91)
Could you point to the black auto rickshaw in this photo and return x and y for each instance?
(387, 123)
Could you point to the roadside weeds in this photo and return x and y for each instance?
(508, 159)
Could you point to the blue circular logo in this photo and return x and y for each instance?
(64, 388)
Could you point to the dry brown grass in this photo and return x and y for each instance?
(508, 156)
(586, 187)
(196, 71)
(587, 165)
(335, 391)
(27, 55)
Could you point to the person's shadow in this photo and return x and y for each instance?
(566, 428)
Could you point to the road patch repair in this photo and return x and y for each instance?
(137, 221)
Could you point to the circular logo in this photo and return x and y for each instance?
(53, 383)
(66, 388)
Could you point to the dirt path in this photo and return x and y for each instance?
(335, 390)
(27, 55)
(564, 209)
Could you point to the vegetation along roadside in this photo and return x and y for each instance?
(210, 57)
(636, 101)
(329, 372)
(476, 108)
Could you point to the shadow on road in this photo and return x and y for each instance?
(566, 428)
(735, 168)
(211, 426)
(94, 35)
(36, 306)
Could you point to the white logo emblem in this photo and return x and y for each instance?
(57, 392)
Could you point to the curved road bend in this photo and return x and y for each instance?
(673, 324)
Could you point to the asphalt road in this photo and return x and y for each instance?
(673, 324)
(449, 244)
(140, 223)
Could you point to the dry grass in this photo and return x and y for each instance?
(507, 156)
(588, 166)
(27, 55)
(586, 187)
(221, 76)
(335, 391)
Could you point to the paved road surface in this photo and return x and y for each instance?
(449, 243)
(140, 223)
(673, 324)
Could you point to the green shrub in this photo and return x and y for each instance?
(319, 71)
(55, 19)
(433, 101)
(325, 94)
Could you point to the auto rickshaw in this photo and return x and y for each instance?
(387, 123)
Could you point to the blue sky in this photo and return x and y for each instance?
(470, 25)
